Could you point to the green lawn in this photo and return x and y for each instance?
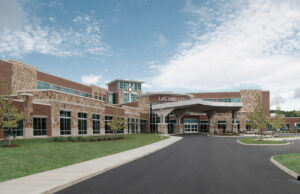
(291, 161)
(37, 155)
(251, 140)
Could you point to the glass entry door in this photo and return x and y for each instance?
(190, 126)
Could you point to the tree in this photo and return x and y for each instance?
(257, 119)
(117, 123)
(277, 121)
(9, 114)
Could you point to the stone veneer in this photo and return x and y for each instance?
(23, 76)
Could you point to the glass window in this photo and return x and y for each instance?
(222, 125)
(39, 126)
(14, 131)
(297, 126)
(210, 99)
(133, 98)
(96, 124)
(286, 127)
(132, 125)
(43, 85)
(143, 125)
(107, 128)
(84, 94)
(67, 90)
(112, 98)
(126, 97)
(82, 123)
(190, 121)
(65, 122)
(235, 100)
(225, 100)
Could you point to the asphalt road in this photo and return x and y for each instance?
(198, 164)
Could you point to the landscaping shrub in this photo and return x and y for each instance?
(79, 138)
(61, 139)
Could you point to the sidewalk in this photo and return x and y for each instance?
(57, 179)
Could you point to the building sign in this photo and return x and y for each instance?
(129, 90)
(171, 98)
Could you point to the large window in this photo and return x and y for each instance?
(107, 128)
(65, 122)
(133, 98)
(96, 124)
(67, 90)
(39, 126)
(14, 131)
(230, 100)
(297, 126)
(154, 120)
(82, 123)
(222, 125)
(210, 99)
(285, 128)
(132, 125)
(143, 125)
(112, 98)
(126, 97)
(84, 94)
(43, 85)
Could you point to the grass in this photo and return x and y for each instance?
(252, 140)
(38, 155)
(291, 161)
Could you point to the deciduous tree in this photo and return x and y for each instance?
(9, 114)
(117, 123)
(257, 118)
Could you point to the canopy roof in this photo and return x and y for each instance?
(196, 105)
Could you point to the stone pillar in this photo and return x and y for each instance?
(162, 128)
(210, 116)
(235, 127)
(28, 110)
(178, 129)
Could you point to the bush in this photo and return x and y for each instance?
(56, 139)
(79, 138)
(84, 140)
(61, 139)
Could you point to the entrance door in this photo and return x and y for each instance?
(190, 126)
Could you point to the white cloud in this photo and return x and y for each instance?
(146, 86)
(91, 79)
(255, 43)
(78, 39)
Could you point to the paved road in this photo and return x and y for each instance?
(198, 164)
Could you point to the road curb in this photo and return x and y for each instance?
(288, 143)
(285, 169)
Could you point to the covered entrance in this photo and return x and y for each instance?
(190, 125)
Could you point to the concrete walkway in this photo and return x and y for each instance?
(54, 180)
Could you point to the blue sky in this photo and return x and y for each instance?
(173, 45)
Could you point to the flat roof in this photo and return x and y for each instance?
(166, 93)
(125, 80)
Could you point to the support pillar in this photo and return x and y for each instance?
(234, 124)
(178, 129)
(210, 116)
(162, 128)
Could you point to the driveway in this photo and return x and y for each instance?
(198, 164)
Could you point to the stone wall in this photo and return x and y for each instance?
(24, 77)
(248, 98)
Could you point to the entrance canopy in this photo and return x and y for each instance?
(196, 105)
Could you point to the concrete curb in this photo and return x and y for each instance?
(223, 135)
(285, 169)
(57, 179)
(288, 143)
